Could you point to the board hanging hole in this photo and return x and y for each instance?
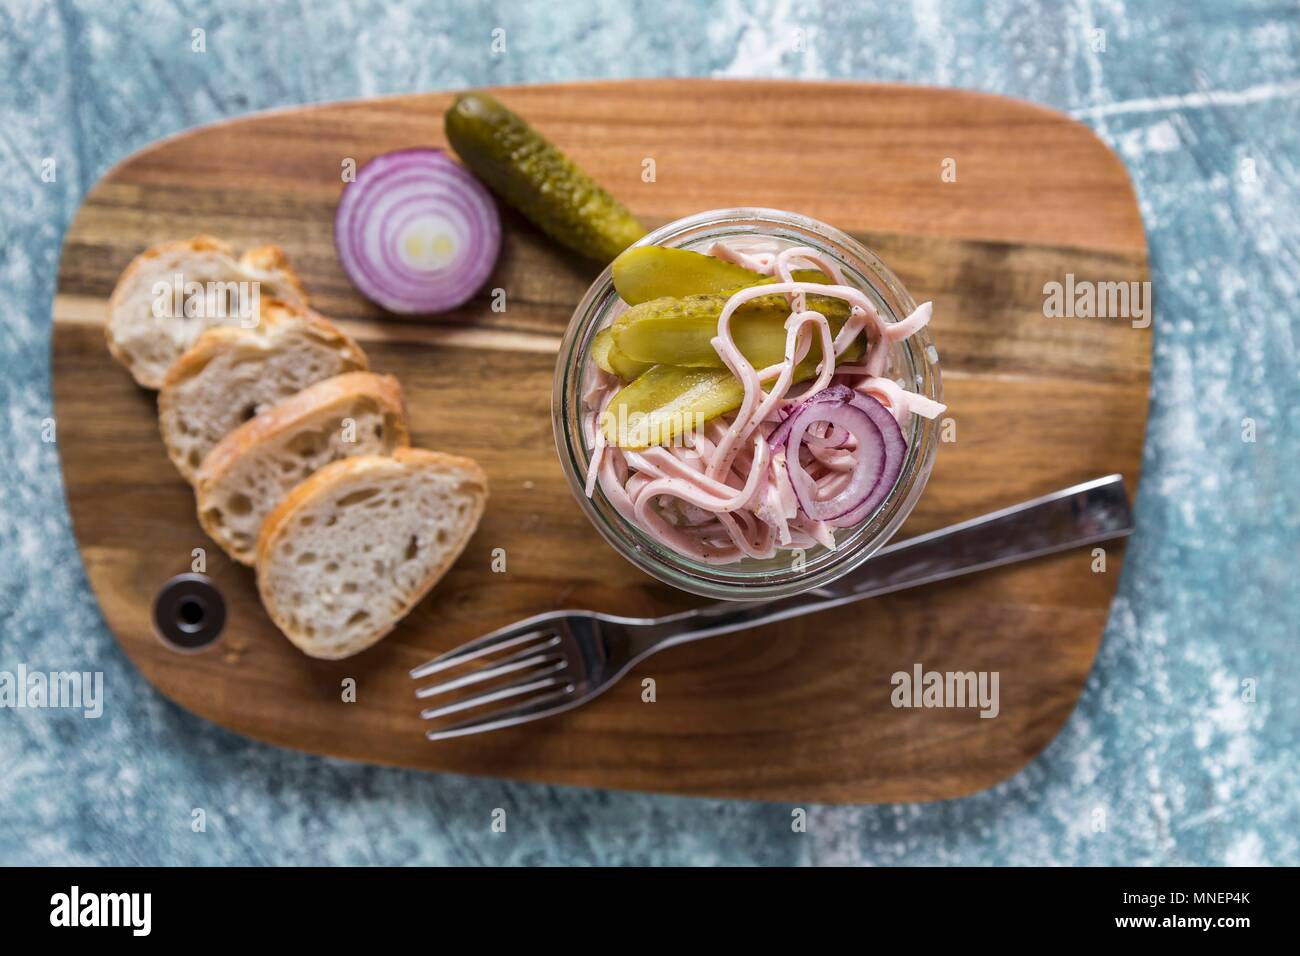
(189, 613)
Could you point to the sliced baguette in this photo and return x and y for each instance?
(232, 374)
(352, 549)
(148, 343)
(253, 467)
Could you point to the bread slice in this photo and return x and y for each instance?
(232, 374)
(253, 467)
(353, 548)
(146, 333)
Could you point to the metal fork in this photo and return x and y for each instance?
(559, 660)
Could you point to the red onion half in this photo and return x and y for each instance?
(878, 459)
(416, 232)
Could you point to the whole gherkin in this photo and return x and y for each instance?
(531, 174)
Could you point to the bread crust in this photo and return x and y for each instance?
(212, 342)
(321, 483)
(271, 258)
(218, 339)
(275, 421)
(267, 258)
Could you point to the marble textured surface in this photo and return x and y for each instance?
(1202, 100)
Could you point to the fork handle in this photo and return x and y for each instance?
(1087, 513)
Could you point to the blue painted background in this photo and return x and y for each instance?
(1201, 98)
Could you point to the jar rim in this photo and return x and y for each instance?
(750, 579)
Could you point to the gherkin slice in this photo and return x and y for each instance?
(680, 331)
(653, 272)
(665, 402)
(668, 400)
(608, 357)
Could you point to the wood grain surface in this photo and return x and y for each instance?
(796, 711)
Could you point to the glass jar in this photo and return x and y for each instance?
(913, 363)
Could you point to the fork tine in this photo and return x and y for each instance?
(535, 709)
(542, 653)
(499, 640)
(538, 680)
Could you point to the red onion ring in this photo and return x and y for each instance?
(832, 393)
(416, 233)
(879, 454)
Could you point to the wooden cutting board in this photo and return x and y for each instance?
(797, 711)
